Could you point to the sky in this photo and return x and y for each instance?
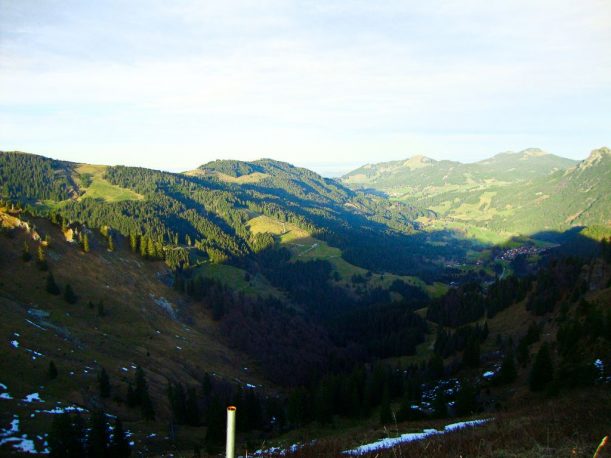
(328, 85)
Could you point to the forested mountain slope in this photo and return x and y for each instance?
(420, 171)
(513, 193)
(204, 215)
(162, 297)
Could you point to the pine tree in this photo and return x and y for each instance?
(132, 399)
(466, 399)
(52, 371)
(142, 394)
(101, 311)
(26, 255)
(119, 447)
(471, 353)
(192, 408)
(435, 367)
(143, 245)
(150, 249)
(85, 242)
(69, 295)
(542, 371)
(508, 372)
(66, 437)
(104, 383)
(41, 259)
(97, 441)
(52, 287)
(440, 408)
(133, 242)
(216, 425)
(385, 411)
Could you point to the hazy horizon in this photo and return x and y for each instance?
(329, 86)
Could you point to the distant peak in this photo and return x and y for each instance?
(598, 155)
(533, 152)
(418, 161)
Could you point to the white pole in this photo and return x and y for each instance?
(230, 447)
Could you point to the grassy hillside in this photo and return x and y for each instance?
(421, 172)
(144, 323)
(509, 194)
(94, 186)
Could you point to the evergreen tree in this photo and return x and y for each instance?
(192, 408)
(69, 295)
(471, 353)
(385, 411)
(466, 399)
(508, 372)
(52, 287)
(100, 307)
(440, 408)
(150, 248)
(435, 367)
(97, 440)
(176, 395)
(104, 383)
(216, 425)
(132, 399)
(143, 246)
(26, 255)
(206, 385)
(542, 371)
(142, 395)
(133, 242)
(119, 447)
(296, 407)
(52, 371)
(85, 242)
(41, 258)
(66, 437)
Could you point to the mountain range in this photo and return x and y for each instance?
(411, 292)
(517, 193)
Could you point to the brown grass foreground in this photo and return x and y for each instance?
(570, 426)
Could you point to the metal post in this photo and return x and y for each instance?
(230, 447)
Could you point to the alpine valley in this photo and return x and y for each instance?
(408, 308)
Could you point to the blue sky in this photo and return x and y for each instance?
(328, 85)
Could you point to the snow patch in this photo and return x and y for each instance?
(390, 442)
(35, 325)
(60, 410)
(32, 397)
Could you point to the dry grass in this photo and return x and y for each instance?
(571, 426)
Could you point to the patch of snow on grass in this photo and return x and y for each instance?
(23, 444)
(35, 354)
(32, 397)
(390, 442)
(60, 410)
